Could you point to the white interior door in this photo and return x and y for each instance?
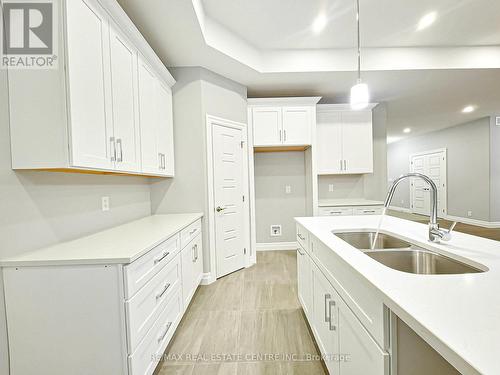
(228, 190)
(329, 142)
(297, 125)
(433, 165)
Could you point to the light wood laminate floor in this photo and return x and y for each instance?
(247, 323)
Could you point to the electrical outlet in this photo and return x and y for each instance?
(288, 189)
(330, 187)
(469, 213)
(105, 203)
(275, 230)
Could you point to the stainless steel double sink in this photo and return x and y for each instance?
(404, 256)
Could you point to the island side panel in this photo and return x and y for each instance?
(65, 319)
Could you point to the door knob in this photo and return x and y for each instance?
(219, 209)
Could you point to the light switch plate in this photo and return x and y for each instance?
(330, 187)
(497, 120)
(288, 189)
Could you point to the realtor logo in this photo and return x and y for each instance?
(28, 40)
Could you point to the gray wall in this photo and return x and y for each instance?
(468, 166)
(42, 208)
(369, 186)
(273, 171)
(198, 92)
(494, 170)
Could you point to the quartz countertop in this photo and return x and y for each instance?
(122, 244)
(458, 315)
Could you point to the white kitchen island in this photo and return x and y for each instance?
(355, 296)
(105, 304)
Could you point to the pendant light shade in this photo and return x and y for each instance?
(360, 95)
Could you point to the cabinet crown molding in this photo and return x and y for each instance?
(294, 101)
(342, 107)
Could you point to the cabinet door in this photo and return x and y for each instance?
(165, 130)
(357, 141)
(90, 127)
(304, 276)
(192, 269)
(148, 114)
(362, 354)
(297, 125)
(325, 319)
(267, 126)
(125, 95)
(329, 142)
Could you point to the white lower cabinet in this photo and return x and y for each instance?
(192, 268)
(346, 345)
(304, 275)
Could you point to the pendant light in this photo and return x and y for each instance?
(360, 96)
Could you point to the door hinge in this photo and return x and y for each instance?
(243, 198)
(242, 143)
(244, 251)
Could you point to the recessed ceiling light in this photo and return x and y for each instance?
(406, 130)
(319, 23)
(426, 21)
(469, 109)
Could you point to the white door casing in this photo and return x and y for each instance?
(229, 210)
(432, 164)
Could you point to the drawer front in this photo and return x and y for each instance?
(138, 273)
(145, 306)
(187, 234)
(192, 268)
(375, 210)
(149, 352)
(303, 237)
(335, 211)
(360, 296)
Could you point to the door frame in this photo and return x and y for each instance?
(210, 122)
(445, 198)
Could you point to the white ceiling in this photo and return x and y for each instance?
(286, 24)
(416, 96)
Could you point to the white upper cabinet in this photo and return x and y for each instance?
(344, 140)
(125, 105)
(91, 128)
(107, 111)
(282, 122)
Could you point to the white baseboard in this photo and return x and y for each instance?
(400, 209)
(270, 246)
(207, 279)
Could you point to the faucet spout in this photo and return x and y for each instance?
(435, 234)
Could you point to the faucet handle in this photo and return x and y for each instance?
(447, 233)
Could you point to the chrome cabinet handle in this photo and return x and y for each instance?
(327, 317)
(345, 165)
(164, 161)
(159, 160)
(300, 252)
(300, 236)
(119, 143)
(164, 290)
(162, 336)
(113, 146)
(331, 326)
(284, 135)
(369, 211)
(191, 232)
(341, 167)
(193, 256)
(164, 255)
(196, 251)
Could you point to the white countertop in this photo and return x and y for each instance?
(459, 315)
(122, 244)
(348, 202)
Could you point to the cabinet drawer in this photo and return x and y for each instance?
(360, 296)
(145, 306)
(147, 355)
(375, 210)
(303, 237)
(335, 211)
(138, 273)
(187, 234)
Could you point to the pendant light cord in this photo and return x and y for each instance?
(359, 42)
